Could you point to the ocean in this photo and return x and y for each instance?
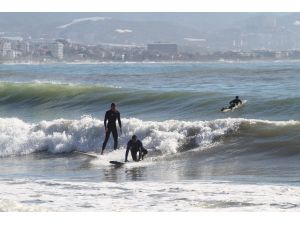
(200, 159)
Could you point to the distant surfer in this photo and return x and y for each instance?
(137, 150)
(235, 102)
(111, 116)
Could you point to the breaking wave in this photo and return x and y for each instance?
(86, 134)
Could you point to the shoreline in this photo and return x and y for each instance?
(148, 62)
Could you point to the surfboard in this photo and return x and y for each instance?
(117, 163)
(226, 109)
(90, 154)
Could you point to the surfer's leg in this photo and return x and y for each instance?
(106, 139)
(115, 135)
(134, 155)
(144, 152)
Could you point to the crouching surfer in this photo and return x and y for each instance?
(136, 148)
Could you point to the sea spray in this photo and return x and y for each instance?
(86, 134)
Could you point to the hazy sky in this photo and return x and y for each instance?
(211, 31)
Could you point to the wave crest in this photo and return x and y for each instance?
(86, 134)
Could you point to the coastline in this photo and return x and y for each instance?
(147, 62)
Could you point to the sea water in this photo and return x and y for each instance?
(199, 158)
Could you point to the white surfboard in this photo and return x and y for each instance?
(90, 154)
(234, 108)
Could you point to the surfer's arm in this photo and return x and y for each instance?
(105, 120)
(140, 154)
(127, 151)
(119, 120)
(140, 150)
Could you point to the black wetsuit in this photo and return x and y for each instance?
(135, 148)
(110, 123)
(234, 103)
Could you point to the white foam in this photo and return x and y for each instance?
(24, 195)
(86, 134)
(7, 205)
(62, 84)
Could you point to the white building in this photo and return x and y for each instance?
(23, 46)
(57, 50)
(15, 54)
(5, 49)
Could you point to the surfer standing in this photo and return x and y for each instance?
(111, 116)
(135, 146)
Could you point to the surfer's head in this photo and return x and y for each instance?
(134, 138)
(237, 97)
(113, 106)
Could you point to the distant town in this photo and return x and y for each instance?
(60, 50)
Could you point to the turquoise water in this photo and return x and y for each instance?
(151, 91)
(49, 111)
